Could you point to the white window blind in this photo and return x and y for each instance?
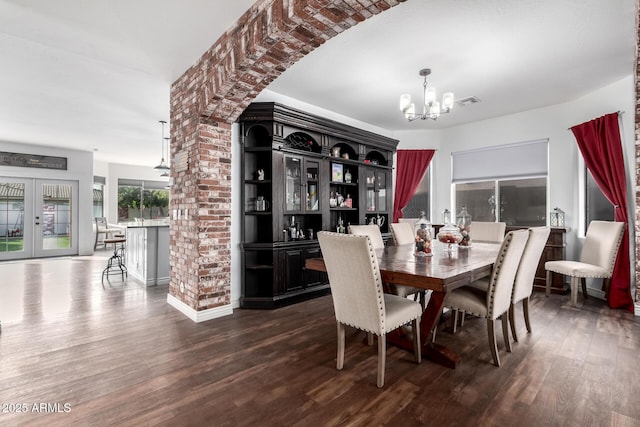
(522, 159)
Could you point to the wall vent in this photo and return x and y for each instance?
(463, 102)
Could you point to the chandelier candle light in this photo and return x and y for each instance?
(162, 167)
(431, 108)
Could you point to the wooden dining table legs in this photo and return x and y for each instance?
(430, 318)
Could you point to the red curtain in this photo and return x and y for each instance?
(600, 145)
(411, 166)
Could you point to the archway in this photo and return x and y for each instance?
(270, 37)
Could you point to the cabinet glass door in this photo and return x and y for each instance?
(293, 184)
(372, 202)
(312, 171)
(376, 191)
(381, 188)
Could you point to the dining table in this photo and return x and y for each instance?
(449, 267)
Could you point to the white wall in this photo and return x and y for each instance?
(79, 168)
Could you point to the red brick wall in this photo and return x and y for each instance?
(270, 37)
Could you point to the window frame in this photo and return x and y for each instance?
(496, 191)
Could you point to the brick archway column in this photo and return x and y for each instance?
(637, 149)
(270, 37)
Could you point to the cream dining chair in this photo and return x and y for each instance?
(410, 221)
(495, 301)
(373, 231)
(491, 232)
(487, 231)
(402, 233)
(523, 285)
(358, 298)
(597, 258)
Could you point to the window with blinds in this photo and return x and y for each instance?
(506, 183)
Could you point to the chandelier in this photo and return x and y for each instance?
(162, 167)
(431, 109)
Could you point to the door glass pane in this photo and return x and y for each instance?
(293, 183)
(98, 200)
(56, 216)
(129, 198)
(479, 198)
(11, 217)
(156, 204)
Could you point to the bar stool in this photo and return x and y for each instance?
(115, 264)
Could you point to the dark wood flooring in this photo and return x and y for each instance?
(122, 356)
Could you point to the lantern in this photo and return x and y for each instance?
(556, 218)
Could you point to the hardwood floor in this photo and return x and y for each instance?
(122, 356)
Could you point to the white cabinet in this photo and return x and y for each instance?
(147, 257)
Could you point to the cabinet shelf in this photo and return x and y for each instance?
(259, 213)
(343, 209)
(345, 184)
(260, 267)
(257, 149)
(257, 181)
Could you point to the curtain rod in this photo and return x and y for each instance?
(619, 113)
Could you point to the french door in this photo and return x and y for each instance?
(38, 218)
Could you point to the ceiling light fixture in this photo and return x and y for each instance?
(431, 109)
(165, 174)
(162, 166)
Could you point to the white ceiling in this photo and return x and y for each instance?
(96, 75)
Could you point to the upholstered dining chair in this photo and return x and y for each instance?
(523, 285)
(487, 231)
(402, 233)
(358, 298)
(410, 221)
(491, 232)
(373, 231)
(598, 256)
(494, 303)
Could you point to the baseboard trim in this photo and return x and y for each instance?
(199, 316)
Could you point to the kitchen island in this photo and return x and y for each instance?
(147, 256)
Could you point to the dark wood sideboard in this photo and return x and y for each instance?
(554, 250)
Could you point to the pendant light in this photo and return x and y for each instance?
(165, 174)
(162, 166)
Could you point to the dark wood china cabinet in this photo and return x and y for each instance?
(301, 174)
